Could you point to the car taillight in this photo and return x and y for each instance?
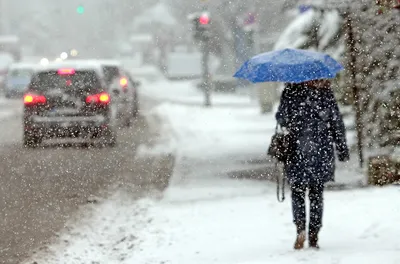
(101, 98)
(34, 99)
(123, 82)
(66, 71)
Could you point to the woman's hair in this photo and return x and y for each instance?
(313, 84)
(318, 84)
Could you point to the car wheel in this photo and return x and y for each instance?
(128, 121)
(112, 142)
(109, 139)
(31, 141)
(135, 111)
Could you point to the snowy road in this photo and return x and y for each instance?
(40, 189)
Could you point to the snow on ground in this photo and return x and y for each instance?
(223, 137)
(6, 114)
(108, 233)
(10, 108)
(207, 217)
(185, 93)
(359, 227)
(250, 230)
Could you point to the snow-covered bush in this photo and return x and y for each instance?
(378, 69)
(315, 30)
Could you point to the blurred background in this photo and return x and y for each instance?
(142, 31)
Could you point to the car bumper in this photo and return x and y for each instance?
(65, 126)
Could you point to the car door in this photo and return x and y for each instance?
(128, 89)
(134, 93)
(117, 99)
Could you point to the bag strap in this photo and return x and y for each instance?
(280, 198)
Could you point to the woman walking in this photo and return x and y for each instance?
(309, 112)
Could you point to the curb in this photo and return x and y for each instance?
(267, 173)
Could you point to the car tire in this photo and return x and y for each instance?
(31, 141)
(109, 139)
(128, 120)
(112, 142)
(135, 111)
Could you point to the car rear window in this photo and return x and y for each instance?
(80, 81)
(110, 73)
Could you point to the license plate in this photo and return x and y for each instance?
(64, 111)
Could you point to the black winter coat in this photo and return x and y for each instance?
(312, 117)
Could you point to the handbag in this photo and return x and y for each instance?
(281, 145)
(280, 148)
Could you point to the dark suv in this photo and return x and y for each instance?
(68, 102)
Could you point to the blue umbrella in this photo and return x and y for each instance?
(289, 65)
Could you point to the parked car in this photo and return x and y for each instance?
(71, 100)
(18, 78)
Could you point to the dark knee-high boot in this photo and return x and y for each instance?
(316, 212)
(299, 215)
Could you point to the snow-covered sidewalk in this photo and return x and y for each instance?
(229, 138)
(359, 227)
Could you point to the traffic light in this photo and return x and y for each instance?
(80, 9)
(204, 19)
(201, 23)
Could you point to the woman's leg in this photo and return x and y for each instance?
(316, 212)
(299, 213)
(299, 206)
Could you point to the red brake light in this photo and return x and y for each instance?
(91, 99)
(33, 99)
(66, 71)
(204, 19)
(101, 98)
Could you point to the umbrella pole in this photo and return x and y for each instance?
(350, 41)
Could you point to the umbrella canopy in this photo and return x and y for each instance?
(289, 65)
